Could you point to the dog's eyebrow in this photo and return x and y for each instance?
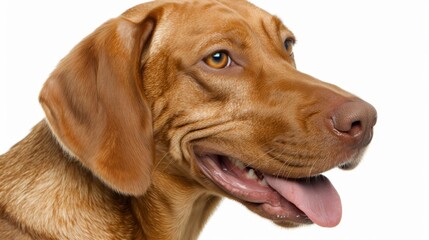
(228, 38)
(277, 22)
(280, 27)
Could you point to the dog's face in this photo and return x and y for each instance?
(236, 114)
(210, 88)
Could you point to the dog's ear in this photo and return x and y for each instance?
(95, 104)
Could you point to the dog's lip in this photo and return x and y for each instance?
(253, 191)
(308, 200)
(242, 182)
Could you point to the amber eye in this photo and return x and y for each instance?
(218, 60)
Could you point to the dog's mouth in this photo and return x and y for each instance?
(288, 202)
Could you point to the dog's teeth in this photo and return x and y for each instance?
(251, 174)
(263, 182)
(238, 164)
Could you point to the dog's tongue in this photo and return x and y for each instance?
(317, 198)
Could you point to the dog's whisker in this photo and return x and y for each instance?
(159, 161)
(168, 164)
(310, 170)
(278, 174)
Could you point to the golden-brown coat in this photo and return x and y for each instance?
(134, 110)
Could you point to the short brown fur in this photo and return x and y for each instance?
(126, 109)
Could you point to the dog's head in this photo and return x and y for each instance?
(212, 86)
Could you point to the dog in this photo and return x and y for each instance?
(164, 110)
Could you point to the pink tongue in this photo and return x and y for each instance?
(317, 198)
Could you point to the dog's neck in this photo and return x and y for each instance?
(48, 195)
(174, 207)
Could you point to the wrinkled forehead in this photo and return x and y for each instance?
(186, 19)
(226, 15)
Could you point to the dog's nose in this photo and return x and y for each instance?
(353, 121)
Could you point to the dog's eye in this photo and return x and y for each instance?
(288, 43)
(218, 60)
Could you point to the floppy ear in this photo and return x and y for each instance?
(96, 108)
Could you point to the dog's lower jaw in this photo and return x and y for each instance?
(173, 208)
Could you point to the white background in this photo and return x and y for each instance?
(375, 49)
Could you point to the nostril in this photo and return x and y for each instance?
(345, 119)
(355, 128)
(356, 124)
(347, 126)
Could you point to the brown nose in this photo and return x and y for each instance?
(354, 121)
